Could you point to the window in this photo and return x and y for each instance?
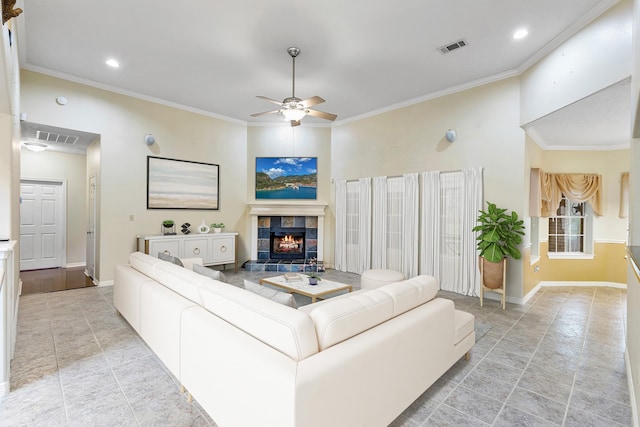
(570, 229)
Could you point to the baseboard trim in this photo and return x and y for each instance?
(632, 394)
(521, 301)
(75, 264)
(103, 283)
(4, 388)
(585, 283)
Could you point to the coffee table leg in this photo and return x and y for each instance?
(313, 299)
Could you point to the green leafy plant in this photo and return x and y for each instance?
(500, 233)
(168, 223)
(217, 225)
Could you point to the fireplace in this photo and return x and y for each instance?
(287, 243)
(307, 217)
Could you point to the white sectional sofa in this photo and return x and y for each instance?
(355, 360)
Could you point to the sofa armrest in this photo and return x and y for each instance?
(188, 262)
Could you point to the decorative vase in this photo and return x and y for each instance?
(493, 273)
(217, 230)
(203, 228)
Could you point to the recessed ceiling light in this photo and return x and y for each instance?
(112, 63)
(520, 33)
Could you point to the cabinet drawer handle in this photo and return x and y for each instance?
(223, 248)
(196, 251)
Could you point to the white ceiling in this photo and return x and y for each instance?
(361, 56)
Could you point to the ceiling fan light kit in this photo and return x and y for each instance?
(292, 108)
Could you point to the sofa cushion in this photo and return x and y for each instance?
(210, 272)
(339, 319)
(287, 330)
(180, 280)
(274, 295)
(343, 318)
(145, 264)
(170, 258)
(464, 325)
(411, 293)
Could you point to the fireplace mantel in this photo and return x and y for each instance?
(286, 209)
(282, 209)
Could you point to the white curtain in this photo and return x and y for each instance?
(461, 199)
(410, 240)
(341, 225)
(395, 222)
(353, 227)
(473, 202)
(365, 225)
(430, 222)
(379, 223)
(450, 241)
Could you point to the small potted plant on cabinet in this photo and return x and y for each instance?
(499, 235)
(217, 227)
(168, 227)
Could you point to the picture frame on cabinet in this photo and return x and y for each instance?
(182, 184)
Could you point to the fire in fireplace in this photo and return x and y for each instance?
(287, 244)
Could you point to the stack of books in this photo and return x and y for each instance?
(292, 277)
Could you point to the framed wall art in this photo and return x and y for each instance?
(286, 177)
(182, 184)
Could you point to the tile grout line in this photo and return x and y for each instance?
(109, 364)
(584, 339)
(473, 369)
(504, 404)
(55, 353)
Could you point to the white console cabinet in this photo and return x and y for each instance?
(213, 248)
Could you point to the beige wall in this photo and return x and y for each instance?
(633, 287)
(412, 139)
(122, 122)
(71, 168)
(300, 141)
(610, 164)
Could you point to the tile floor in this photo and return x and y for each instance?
(557, 360)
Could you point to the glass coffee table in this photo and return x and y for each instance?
(323, 288)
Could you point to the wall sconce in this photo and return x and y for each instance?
(149, 139)
(450, 135)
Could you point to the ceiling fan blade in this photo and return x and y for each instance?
(295, 123)
(269, 100)
(315, 100)
(264, 113)
(321, 114)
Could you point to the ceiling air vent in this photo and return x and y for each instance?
(452, 46)
(55, 137)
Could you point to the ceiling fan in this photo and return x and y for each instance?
(292, 108)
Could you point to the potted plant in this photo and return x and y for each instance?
(217, 227)
(314, 278)
(167, 227)
(499, 235)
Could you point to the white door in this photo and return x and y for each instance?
(42, 224)
(91, 230)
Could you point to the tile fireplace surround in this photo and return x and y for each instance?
(311, 215)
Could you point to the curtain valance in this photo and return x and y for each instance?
(547, 190)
